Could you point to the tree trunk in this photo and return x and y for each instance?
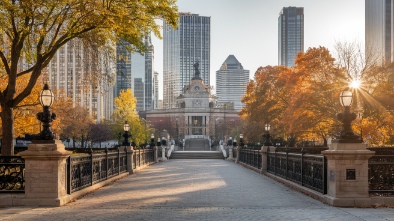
(7, 117)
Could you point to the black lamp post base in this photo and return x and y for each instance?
(348, 137)
(267, 139)
(44, 135)
(126, 141)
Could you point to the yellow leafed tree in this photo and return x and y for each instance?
(32, 31)
(125, 110)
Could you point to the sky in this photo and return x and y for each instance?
(248, 29)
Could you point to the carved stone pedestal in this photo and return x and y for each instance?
(45, 173)
(347, 174)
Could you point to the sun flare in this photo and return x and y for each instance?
(355, 84)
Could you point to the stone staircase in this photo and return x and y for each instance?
(196, 144)
(197, 155)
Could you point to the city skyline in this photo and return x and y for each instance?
(253, 36)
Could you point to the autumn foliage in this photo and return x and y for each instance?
(31, 32)
(125, 110)
(302, 102)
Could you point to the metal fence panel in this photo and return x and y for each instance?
(12, 176)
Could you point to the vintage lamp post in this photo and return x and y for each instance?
(152, 140)
(46, 98)
(230, 145)
(241, 140)
(158, 142)
(126, 135)
(267, 136)
(347, 135)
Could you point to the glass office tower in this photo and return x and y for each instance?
(189, 43)
(379, 30)
(291, 35)
(231, 81)
(135, 71)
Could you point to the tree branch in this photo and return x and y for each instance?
(5, 62)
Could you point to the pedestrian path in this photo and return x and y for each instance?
(196, 190)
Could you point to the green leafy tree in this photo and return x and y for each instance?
(32, 31)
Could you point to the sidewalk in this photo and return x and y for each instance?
(196, 190)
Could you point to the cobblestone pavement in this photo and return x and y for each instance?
(196, 190)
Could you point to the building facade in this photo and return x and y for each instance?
(379, 24)
(123, 68)
(85, 76)
(149, 74)
(187, 44)
(135, 71)
(196, 116)
(155, 91)
(231, 81)
(290, 35)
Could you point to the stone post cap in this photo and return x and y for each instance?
(347, 146)
(46, 148)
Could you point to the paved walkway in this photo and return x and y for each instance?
(196, 190)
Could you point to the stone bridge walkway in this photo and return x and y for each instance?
(196, 190)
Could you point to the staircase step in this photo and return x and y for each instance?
(197, 155)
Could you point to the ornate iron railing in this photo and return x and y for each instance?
(142, 157)
(381, 172)
(305, 169)
(84, 171)
(250, 156)
(12, 177)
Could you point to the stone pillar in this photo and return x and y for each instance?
(237, 149)
(45, 173)
(163, 153)
(230, 153)
(264, 157)
(347, 174)
(156, 154)
(130, 152)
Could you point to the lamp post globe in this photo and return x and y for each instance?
(46, 99)
(346, 98)
(267, 127)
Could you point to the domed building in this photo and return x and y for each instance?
(198, 120)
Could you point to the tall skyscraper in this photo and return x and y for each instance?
(155, 90)
(83, 75)
(123, 67)
(149, 59)
(231, 81)
(379, 36)
(189, 43)
(291, 35)
(135, 71)
(138, 79)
